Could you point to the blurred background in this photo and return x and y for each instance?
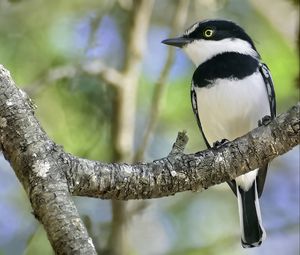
(65, 55)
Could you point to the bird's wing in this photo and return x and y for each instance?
(231, 184)
(195, 110)
(264, 70)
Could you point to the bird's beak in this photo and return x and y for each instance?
(177, 41)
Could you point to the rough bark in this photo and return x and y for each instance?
(50, 176)
(40, 168)
(181, 172)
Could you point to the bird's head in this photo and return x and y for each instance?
(208, 38)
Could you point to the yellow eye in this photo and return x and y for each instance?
(208, 33)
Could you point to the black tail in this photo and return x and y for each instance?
(253, 232)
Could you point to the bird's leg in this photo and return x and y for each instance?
(265, 121)
(218, 144)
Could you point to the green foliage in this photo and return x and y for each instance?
(77, 114)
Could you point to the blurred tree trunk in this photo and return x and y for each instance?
(125, 106)
(125, 111)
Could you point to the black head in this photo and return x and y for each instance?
(213, 30)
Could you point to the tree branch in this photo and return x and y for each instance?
(50, 175)
(181, 172)
(37, 164)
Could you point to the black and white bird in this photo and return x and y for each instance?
(232, 90)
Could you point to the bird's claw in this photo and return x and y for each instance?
(218, 144)
(266, 120)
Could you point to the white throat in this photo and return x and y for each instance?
(201, 50)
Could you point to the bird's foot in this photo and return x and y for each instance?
(218, 144)
(265, 121)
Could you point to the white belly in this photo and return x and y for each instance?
(232, 108)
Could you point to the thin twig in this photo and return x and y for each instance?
(160, 86)
(94, 67)
(159, 91)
